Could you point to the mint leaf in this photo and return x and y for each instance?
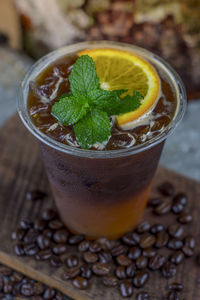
(130, 103)
(83, 77)
(92, 128)
(70, 109)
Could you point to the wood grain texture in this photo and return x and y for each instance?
(21, 170)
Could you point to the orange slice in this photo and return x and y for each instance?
(119, 69)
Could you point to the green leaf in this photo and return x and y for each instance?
(92, 128)
(83, 77)
(130, 103)
(70, 110)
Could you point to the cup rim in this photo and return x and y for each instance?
(46, 60)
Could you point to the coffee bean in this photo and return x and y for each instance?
(134, 252)
(172, 295)
(72, 261)
(83, 246)
(104, 256)
(143, 296)
(131, 270)
(43, 242)
(149, 252)
(19, 249)
(155, 201)
(90, 257)
(25, 224)
(55, 224)
(86, 271)
(31, 236)
(94, 247)
(48, 233)
(104, 243)
(5, 271)
(187, 251)
(141, 262)
(49, 293)
(110, 281)
(177, 207)
(174, 244)
(75, 239)
(168, 270)
(156, 262)
(157, 228)
(136, 237)
(39, 224)
(38, 288)
(123, 260)
(163, 208)
(166, 188)
(71, 273)
(33, 298)
(80, 283)
(128, 240)
(126, 289)
(147, 240)
(140, 279)
(119, 250)
(120, 272)
(143, 227)
(31, 249)
(59, 249)
(59, 296)
(161, 239)
(18, 234)
(16, 277)
(185, 218)
(177, 257)
(27, 289)
(44, 254)
(60, 236)
(8, 287)
(175, 230)
(55, 261)
(176, 286)
(181, 198)
(189, 241)
(49, 214)
(35, 195)
(100, 269)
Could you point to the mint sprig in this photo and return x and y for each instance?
(88, 107)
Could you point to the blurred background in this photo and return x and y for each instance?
(171, 28)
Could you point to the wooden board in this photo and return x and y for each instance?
(21, 169)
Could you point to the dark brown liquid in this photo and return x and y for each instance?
(54, 82)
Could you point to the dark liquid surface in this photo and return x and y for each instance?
(53, 82)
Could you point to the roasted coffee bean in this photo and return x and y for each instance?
(39, 224)
(190, 242)
(35, 195)
(134, 252)
(25, 224)
(75, 239)
(140, 279)
(27, 289)
(83, 246)
(119, 250)
(128, 240)
(176, 286)
(175, 230)
(104, 243)
(72, 261)
(185, 218)
(5, 271)
(55, 224)
(161, 239)
(16, 277)
(174, 244)
(187, 251)
(60, 236)
(71, 273)
(123, 260)
(104, 256)
(59, 296)
(80, 283)
(177, 207)
(59, 249)
(8, 287)
(166, 188)
(156, 262)
(90, 257)
(172, 295)
(110, 281)
(44, 254)
(157, 228)
(31, 236)
(141, 262)
(49, 214)
(31, 249)
(38, 288)
(163, 208)
(48, 233)
(168, 270)
(55, 261)
(49, 293)
(86, 271)
(143, 296)
(177, 257)
(100, 269)
(120, 272)
(126, 289)
(155, 201)
(136, 237)
(147, 240)
(19, 249)
(33, 298)
(143, 227)
(149, 252)
(181, 198)
(43, 242)
(131, 270)
(18, 234)
(94, 247)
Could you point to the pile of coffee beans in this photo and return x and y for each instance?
(14, 285)
(125, 263)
